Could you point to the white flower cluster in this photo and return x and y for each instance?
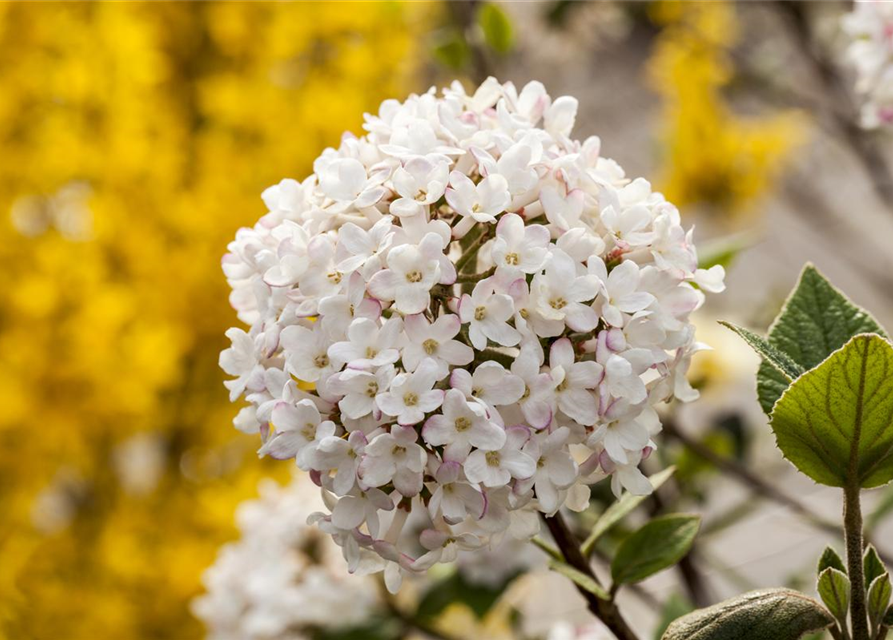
(465, 314)
(870, 25)
(281, 579)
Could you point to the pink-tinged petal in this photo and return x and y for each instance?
(461, 379)
(561, 354)
(389, 404)
(353, 239)
(438, 431)
(623, 279)
(584, 289)
(348, 513)
(416, 327)
(455, 353)
(283, 446)
(587, 375)
(633, 302)
(408, 482)
(511, 228)
(430, 400)
(519, 464)
(446, 327)
(580, 405)
(499, 332)
(412, 299)
(562, 470)
(487, 436)
(580, 318)
(383, 285)
(547, 495)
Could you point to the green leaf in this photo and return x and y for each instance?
(879, 599)
(451, 50)
(497, 28)
(620, 509)
(835, 422)
(771, 614)
(888, 619)
(815, 321)
(777, 358)
(830, 558)
(872, 565)
(834, 589)
(659, 544)
(579, 578)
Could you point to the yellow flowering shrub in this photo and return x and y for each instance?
(711, 154)
(136, 138)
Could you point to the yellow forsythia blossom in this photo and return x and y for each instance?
(136, 138)
(711, 154)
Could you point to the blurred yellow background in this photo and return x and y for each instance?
(136, 138)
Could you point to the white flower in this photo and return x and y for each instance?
(307, 352)
(293, 260)
(343, 457)
(520, 249)
(412, 395)
(241, 360)
(560, 293)
(368, 345)
(454, 498)
(339, 310)
(362, 250)
(497, 468)
(620, 290)
(396, 457)
(412, 272)
(345, 181)
(426, 340)
(420, 182)
(486, 313)
(359, 389)
(623, 433)
(298, 431)
(461, 426)
(481, 202)
(490, 384)
(555, 468)
(574, 383)
(537, 401)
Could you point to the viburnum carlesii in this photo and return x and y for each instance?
(870, 25)
(465, 316)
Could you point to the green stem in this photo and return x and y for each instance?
(852, 529)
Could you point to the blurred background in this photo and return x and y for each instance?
(136, 138)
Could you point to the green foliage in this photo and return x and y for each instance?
(620, 509)
(497, 28)
(451, 50)
(455, 588)
(774, 356)
(835, 422)
(723, 251)
(579, 578)
(879, 599)
(872, 565)
(834, 590)
(657, 545)
(888, 619)
(830, 558)
(771, 614)
(816, 320)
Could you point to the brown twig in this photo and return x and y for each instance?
(604, 610)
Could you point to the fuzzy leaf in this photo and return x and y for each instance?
(830, 558)
(879, 599)
(774, 356)
(872, 565)
(579, 578)
(843, 406)
(659, 544)
(816, 320)
(620, 509)
(497, 28)
(834, 589)
(771, 614)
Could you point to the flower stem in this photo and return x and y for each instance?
(852, 530)
(604, 610)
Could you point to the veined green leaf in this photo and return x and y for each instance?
(834, 589)
(872, 565)
(835, 422)
(815, 321)
(830, 558)
(774, 356)
(771, 614)
(657, 545)
(879, 599)
(620, 509)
